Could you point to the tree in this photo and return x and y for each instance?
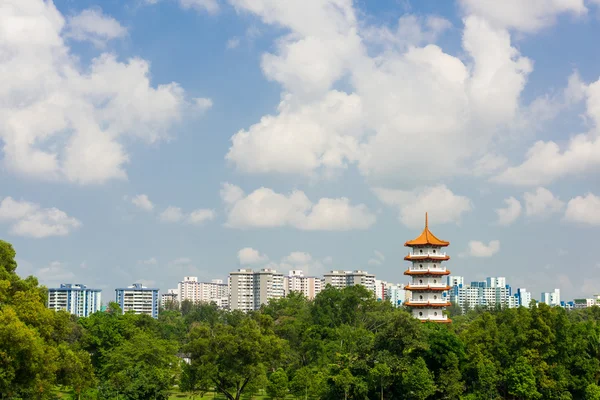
(380, 375)
(277, 387)
(592, 392)
(520, 380)
(344, 380)
(417, 381)
(307, 382)
(233, 357)
(142, 367)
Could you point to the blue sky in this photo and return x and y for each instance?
(143, 141)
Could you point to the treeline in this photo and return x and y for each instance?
(342, 345)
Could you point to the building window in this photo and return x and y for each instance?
(420, 314)
(435, 297)
(434, 252)
(420, 280)
(435, 281)
(420, 297)
(420, 265)
(435, 314)
(421, 251)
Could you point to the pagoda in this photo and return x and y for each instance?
(428, 300)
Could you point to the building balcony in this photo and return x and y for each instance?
(427, 271)
(417, 287)
(427, 255)
(427, 303)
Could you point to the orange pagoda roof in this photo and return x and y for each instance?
(426, 238)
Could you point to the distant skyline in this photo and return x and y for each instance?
(146, 140)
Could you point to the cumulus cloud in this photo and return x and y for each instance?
(480, 249)
(197, 217)
(30, 220)
(400, 103)
(584, 210)
(200, 216)
(61, 119)
(248, 255)
(298, 257)
(143, 202)
(209, 6)
(526, 16)
(440, 202)
(92, 25)
(171, 214)
(542, 203)
(508, 215)
(55, 273)
(265, 208)
(547, 161)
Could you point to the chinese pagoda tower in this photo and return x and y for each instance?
(428, 300)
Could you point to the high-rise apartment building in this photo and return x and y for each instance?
(138, 298)
(309, 286)
(489, 293)
(214, 291)
(342, 279)
(248, 289)
(551, 298)
(524, 297)
(171, 297)
(397, 294)
(75, 298)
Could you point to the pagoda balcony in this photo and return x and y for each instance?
(427, 303)
(427, 271)
(427, 255)
(417, 287)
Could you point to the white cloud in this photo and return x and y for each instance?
(62, 120)
(378, 259)
(489, 164)
(30, 220)
(546, 161)
(440, 202)
(143, 202)
(400, 102)
(265, 208)
(542, 203)
(298, 257)
(233, 43)
(54, 274)
(411, 30)
(248, 255)
(584, 210)
(480, 249)
(200, 216)
(197, 217)
(526, 16)
(171, 214)
(209, 6)
(94, 26)
(508, 215)
(150, 261)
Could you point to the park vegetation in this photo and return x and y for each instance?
(342, 345)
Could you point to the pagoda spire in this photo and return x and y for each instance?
(426, 221)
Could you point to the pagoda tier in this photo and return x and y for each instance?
(428, 300)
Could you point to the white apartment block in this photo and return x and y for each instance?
(309, 286)
(342, 279)
(75, 298)
(489, 293)
(138, 298)
(524, 297)
(248, 289)
(551, 298)
(397, 295)
(214, 291)
(379, 289)
(171, 297)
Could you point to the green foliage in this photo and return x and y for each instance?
(277, 387)
(343, 344)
